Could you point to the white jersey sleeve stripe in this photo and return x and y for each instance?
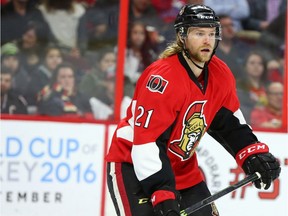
(131, 120)
(125, 133)
(146, 160)
(239, 115)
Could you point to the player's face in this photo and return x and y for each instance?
(201, 42)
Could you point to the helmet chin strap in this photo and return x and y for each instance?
(187, 54)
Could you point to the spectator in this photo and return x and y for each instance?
(10, 58)
(236, 9)
(61, 97)
(102, 24)
(102, 21)
(93, 83)
(275, 70)
(103, 104)
(11, 101)
(140, 51)
(15, 15)
(31, 45)
(168, 9)
(269, 116)
(42, 76)
(99, 85)
(262, 13)
(143, 11)
(231, 49)
(251, 88)
(108, 95)
(66, 19)
(272, 39)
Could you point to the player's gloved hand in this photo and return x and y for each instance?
(256, 158)
(166, 202)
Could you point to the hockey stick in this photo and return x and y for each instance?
(219, 194)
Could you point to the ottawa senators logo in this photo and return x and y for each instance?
(194, 126)
(157, 83)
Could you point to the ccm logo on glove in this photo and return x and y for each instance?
(255, 148)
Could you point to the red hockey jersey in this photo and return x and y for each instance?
(168, 115)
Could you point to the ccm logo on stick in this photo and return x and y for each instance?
(250, 150)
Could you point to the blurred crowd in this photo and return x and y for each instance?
(58, 58)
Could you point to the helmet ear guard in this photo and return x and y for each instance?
(182, 33)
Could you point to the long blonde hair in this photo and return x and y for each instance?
(172, 49)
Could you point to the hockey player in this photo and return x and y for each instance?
(152, 164)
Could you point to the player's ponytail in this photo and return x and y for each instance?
(172, 49)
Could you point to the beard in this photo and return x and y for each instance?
(200, 56)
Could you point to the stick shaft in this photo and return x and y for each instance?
(219, 194)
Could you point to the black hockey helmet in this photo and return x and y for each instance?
(196, 16)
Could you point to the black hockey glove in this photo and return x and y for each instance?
(166, 202)
(256, 158)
